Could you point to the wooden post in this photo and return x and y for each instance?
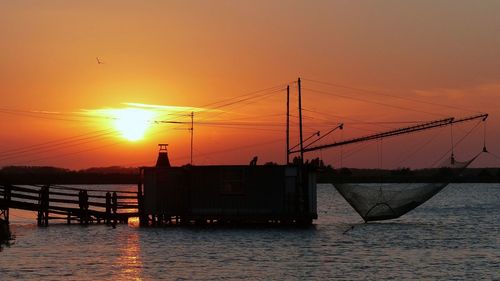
(85, 207)
(80, 205)
(143, 219)
(43, 206)
(114, 200)
(108, 208)
(4, 211)
(7, 196)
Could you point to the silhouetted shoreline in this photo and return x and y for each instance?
(54, 175)
(469, 175)
(121, 175)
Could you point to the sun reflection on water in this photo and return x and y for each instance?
(130, 261)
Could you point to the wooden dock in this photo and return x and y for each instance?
(69, 204)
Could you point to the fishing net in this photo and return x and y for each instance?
(383, 201)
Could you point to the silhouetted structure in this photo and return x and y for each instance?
(4, 215)
(228, 194)
(162, 160)
(68, 204)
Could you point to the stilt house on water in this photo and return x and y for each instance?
(284, 194)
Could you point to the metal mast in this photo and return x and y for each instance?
(300, 123)
(192, 132)
(288, 124)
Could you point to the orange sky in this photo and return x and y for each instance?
(194, 53)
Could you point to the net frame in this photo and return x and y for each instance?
(384, 201)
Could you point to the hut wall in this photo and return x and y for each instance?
(230, 192)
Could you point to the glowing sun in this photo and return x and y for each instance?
(132, 123)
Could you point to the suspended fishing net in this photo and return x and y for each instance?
(392, 200)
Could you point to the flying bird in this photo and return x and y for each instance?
(99, 61)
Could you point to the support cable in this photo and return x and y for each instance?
(373, 102)
(389, 95)
(452, 145)
(484, 136)
(341, 127)
(457, 143)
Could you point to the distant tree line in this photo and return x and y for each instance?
(486, 175)
(54, 175)
(325, 174)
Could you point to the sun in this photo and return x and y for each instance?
(132, 123)
(133, 120)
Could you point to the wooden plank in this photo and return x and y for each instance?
(92, 190)
(34, 207)
(128, 207)
(59, 212)
(24, 189)
(20, 205)
(36, 189)
(24, 196)
(127, 197)
(63, 193)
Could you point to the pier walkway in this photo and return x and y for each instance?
(69, 204)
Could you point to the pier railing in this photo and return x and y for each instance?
(69, 204)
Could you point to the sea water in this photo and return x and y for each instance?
(455, 235)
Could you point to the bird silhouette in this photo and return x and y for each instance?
(99, 61)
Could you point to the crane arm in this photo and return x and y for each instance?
(400, 131)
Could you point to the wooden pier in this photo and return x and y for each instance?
(69, 204)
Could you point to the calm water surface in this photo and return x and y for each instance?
(455, 235)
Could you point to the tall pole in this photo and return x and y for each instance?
(300, 123)
(288, 124)
(192, 132)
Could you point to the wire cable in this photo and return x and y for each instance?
(389, 95)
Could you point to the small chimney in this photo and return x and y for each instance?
(162, 160)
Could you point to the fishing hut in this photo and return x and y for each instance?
(224, 194)
(282, 194)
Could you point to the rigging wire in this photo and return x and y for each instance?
(73, 153)
(67, 142)
(458, 142)
(418, 149)
(227, 150)
(47, 115)
(341, 148)
(260, 95)
(53, 142)
(247, 101)
(389, 95)
(484, 136)
(452, 145)
(374, 102)
(243, 128)
(30, 114)
(347, 118)
(48, 146)
(494, 155)
(247, 94)
(57, 146)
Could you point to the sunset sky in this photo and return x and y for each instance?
(229, 62)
